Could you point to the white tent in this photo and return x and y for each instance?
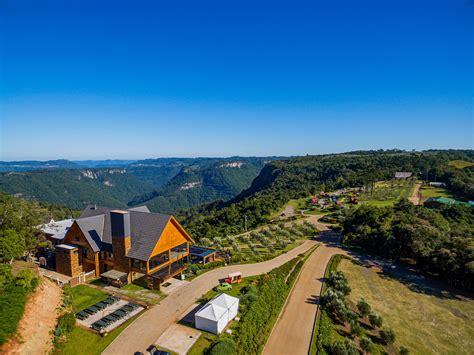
(217, 313)
(228, 302)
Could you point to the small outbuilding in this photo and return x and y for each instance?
(217, 313)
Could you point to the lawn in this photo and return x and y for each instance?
(432, 191)
(426, 321)
(460, 164)
(84, 296)
(82, 341)
(387, 193)
(136, 290)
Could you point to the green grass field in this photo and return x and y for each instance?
(84, 296)
(432, 191)
(424, 322)
(460, 164)
(84, 342)
(387, 193)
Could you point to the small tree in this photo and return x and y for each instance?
(403, 351)
(363, 307)
(387, 335)
(375, 320)
(366, 344)
(356, 329)
(343, 347)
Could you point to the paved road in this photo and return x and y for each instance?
(292, 331)
(153, 323)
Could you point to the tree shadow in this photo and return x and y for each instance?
(415, 281)
(313, 299)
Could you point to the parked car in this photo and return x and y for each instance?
(225, 286)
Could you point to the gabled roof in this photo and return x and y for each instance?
(146, 229)
(212, 312)
(224, 300)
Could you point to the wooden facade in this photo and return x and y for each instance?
(166, 260)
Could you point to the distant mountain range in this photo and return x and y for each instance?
(163, 184)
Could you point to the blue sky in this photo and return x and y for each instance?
(90, 79)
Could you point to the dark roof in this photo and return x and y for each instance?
(200, 251)
(145, 228)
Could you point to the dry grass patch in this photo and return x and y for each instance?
(423, 322)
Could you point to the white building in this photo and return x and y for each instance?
(217, 313)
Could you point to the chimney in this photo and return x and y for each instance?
(121, 240)
(120, 223)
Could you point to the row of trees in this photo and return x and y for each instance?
(440, 242)
(335, 304)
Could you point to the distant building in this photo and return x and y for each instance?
(56, 230)
(403, 175)
(437, 184)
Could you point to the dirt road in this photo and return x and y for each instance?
(415, 197)
(292, 331)
(153, 323)
(37, 322)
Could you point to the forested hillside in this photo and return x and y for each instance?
(283, 180)
(195, 185)
(165, 184)
(74, 188)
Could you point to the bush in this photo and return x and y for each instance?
(356, 329)
(387, 335)
(224, 347)
(338, 281)
(12, 305)
(66, 322)
(375, 320)
(366, 344)
(27, 279)
(363, 307)
(403, 351)
(256, 324)
(343, 347)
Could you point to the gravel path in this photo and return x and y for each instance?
(293, 329)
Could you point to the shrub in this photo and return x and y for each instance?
(5, 274)
(387, 335)
(12, 305)
(356, 329)
(366, 344)
(338, 281)
(343, 347)
(27, 279)
(363, 307)
(224, 347)
(403, 351)
(375, 320)
(64, 327)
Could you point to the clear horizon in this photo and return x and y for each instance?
(102, 80)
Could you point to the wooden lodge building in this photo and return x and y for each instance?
(123, 245)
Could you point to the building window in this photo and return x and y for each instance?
(76, 239)
(84, 253)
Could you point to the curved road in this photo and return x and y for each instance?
(293, 329)
(149, 327)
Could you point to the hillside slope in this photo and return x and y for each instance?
(282, 180)
(198, 184)
(74, 188)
